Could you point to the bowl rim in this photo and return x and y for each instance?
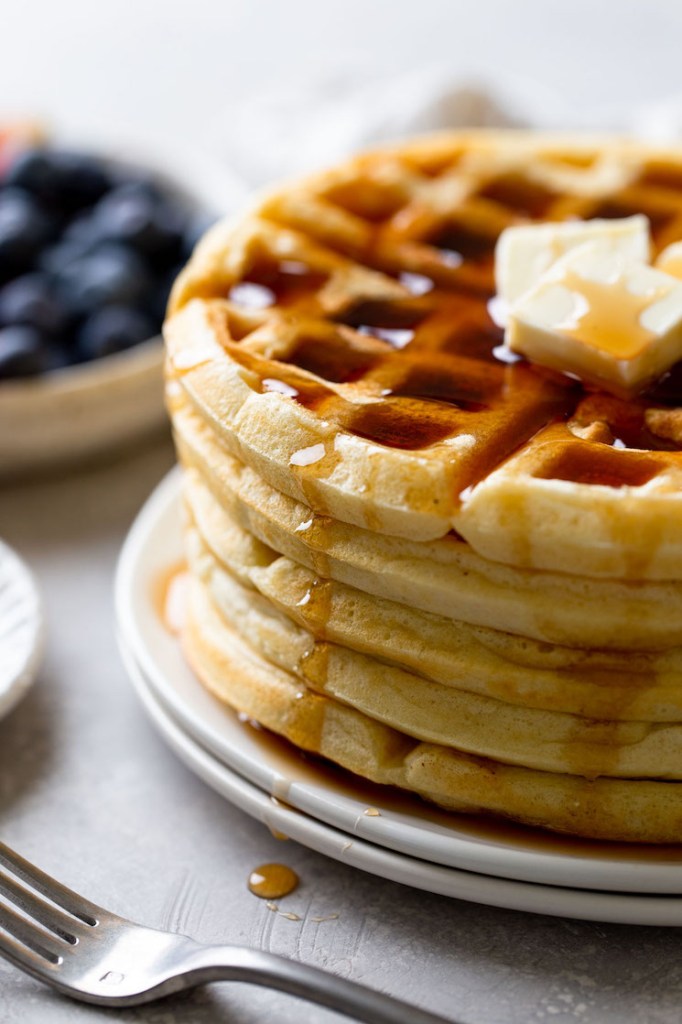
(198, 180)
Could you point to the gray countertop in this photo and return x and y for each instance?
(90, 791)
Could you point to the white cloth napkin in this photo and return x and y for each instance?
(276, 135)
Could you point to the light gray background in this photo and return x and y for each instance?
(86, 786)
(172, 67)
(90, 791)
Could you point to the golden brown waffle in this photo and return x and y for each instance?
(443, 576)
(338, 338)
(446, 713)
(598, 685)
(641, 811)
(443, 569)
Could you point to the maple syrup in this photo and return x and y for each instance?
(333, 358)
(169, 590)
(268, 284)
(620, 205)
(611, 326)
(383, 314)
(436, 381)
(601, 465)
(405, 423)
(272, 881)
(421, 391)
(517, 193)
(468, 245)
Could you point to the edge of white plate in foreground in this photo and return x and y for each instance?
(22, 631)
(555, 901)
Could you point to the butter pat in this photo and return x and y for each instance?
(670, 260)
(598, 316)
(524, 253)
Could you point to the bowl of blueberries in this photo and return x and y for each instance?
(90, 243)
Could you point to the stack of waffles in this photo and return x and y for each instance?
(441, 568)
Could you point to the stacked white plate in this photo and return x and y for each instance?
(22, 631)
(327, 810)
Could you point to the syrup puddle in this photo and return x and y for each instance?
(272, 881)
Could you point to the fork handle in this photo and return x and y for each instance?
(234, 963)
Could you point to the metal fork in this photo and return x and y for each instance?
(95, 956)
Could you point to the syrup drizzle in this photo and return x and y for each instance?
(611, 326)
(271, 283)
(430, 366)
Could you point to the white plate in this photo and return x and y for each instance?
(334, 797)
(21, 629)
(76, 412)
(618, 908)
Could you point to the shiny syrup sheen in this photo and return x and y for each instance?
(427, 363)
(272, 881)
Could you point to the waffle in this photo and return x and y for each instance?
(442, 568)
(605, 808)
(437, 712)
(446, 576)
(595, 685)
(297, 332)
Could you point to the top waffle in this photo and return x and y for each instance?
(339, 338)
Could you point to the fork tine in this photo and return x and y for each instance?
(57, 893)
(30, 938)
(52, 918)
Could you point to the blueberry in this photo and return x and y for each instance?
(112, 329)
(62, 355)
(81, 179)
(153, 227)
(79, 238)
(65, 180)
(31, 300)
(110, 274)
(82, 229)
(23, 352)
(24, 229)
(138, 183)
(34, 171)
(56, 259)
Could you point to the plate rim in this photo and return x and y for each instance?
(454, 883)
(16, 685)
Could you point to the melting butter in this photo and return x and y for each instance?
(605, 320)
